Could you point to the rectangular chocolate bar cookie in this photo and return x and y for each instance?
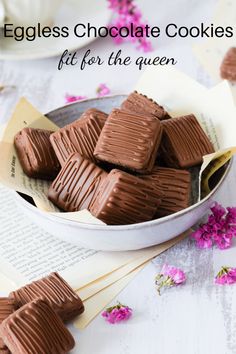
(184, 142)
(125, 199)
(60, 296)
(176, 187)
(141, 104)
(36, 328)
(36, 154)
(77, 184)
(129, 140)
(228, 66)
(7, 307)
(80, 136)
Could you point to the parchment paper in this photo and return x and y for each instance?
(211, 52)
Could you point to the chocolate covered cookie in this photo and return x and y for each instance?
(184, 142)
(176, 187)
(60, 296)
(125, 199)
(141, 104)
(35, 328)
(228, 66)
(129, 140)
(35, 153)
(80, 136)
(7, 307)
(77, 184)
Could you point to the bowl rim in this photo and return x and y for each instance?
(105, 227)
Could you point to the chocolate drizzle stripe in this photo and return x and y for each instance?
(80, 136)
(49, 286)
(129, 140)
(141, 104)
(124, 199)
(176, 185)
(7, 307)
(53, 289)
(186, 151)
(184, 140)
(39, 144)
(34, 329)
(36, 153)
(77, 184)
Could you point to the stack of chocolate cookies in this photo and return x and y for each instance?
(126, 167)
(32, 318)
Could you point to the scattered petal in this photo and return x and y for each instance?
(202, 237)
(103, 90)
(223, 240)
(169, 276)
(72, 98)
(117, 313)
(226, 276)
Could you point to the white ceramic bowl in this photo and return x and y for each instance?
(114, 238)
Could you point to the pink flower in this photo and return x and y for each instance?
(176, 274)
(226, 276)
(71, 98)
(169, 276)
(223, 240)
(231, 216)
(127, 13)
(219, 229)
(202, 237)
(103, 90)
(117, 313)
(145, 45)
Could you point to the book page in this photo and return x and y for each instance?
(96, 286)
(98, 302)
(28, 253)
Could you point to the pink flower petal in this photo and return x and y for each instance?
(127, 13)
(176, 274)
(117, 313)
(219, 229)
(226, 276)
(72, 98)
(222, 280)
(103, 90)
